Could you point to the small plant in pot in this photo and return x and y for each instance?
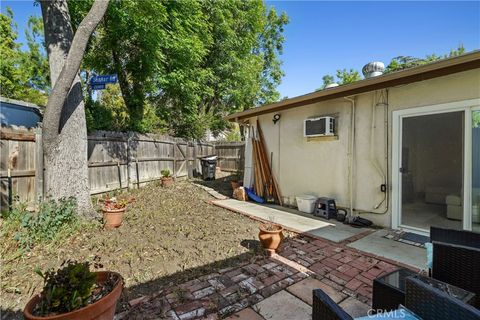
(113, 212)
(236, 181)
(167, 179)
(270, 235)
(74, 292)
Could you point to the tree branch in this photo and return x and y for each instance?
(72, 64)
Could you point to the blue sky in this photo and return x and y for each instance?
(325, 36)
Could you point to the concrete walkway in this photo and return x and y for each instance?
(377, 244)
(292, 219)
(374, 243)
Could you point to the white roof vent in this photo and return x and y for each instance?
(331, 85)
(373, 69)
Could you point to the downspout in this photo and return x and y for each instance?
(351, 161)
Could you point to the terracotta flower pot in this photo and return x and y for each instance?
(235, 184)
(270, 239)
(103, 309)
(167, 181)
(113, 218)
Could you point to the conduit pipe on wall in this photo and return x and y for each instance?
(373, 159)
(383, 102)
(351, 160)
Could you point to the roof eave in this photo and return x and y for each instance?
(432, 70)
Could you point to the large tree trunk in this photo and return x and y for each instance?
(64, 124)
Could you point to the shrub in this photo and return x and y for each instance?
(51, 218)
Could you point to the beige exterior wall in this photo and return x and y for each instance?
(320, 167)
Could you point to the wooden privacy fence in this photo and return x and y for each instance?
(116, 160)
(231, 155)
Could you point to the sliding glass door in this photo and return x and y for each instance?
(432, 170)
(436, 167)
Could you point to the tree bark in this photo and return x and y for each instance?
(64, 124)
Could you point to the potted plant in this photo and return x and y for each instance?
(113, 211)
(236, 181)
(167, 179)
(270, 235)
(74, 292)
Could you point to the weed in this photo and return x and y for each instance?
(180, 294)
(30, 228)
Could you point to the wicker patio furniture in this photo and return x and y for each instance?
(324, 308)
(389, 290)
(430, 303)
(458, 237)
(457, 265)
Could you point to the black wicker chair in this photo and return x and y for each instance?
(456, 256)
(458, 237)
(457, 265)
(324, 308)
(432, 304)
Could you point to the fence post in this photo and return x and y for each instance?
(194, 156)
(174, 159)
(119, 172)
(130, 162)
(187, 157)
(38, 164)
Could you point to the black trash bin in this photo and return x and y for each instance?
(209, 165)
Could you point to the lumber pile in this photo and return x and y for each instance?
(265, 185)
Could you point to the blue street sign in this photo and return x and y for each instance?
(110, 78)
(98, 86)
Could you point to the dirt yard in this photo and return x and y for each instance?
(168, 236)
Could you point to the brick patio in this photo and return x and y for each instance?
(344, 273)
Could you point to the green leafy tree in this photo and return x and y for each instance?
(191, 61)
(345, 76)
(271, 46)
(35, 61)
(109, 112)
(23, 75)
(476, 119)
(456, 52)
(406, 62)
(9, 55)
(348, 76)
(327, 79)
(403, 62)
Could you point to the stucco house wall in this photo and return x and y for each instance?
(320, 166)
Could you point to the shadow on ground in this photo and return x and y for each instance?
(221, 184)
(214, 288)
(10, 314)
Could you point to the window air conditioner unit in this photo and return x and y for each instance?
(319, 127)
